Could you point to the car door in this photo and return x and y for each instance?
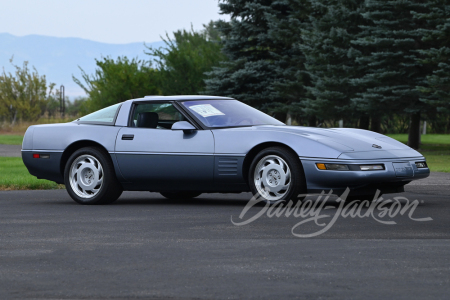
(154, 157)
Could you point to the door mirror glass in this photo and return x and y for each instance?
(183, 125)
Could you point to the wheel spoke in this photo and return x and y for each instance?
(99, 182)
(284, 187)
(83, 189)
(287, 173)
(261, 170)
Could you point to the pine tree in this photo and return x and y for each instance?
(257, 42)
(289, 64)
(436, 90)
(392, 68)
(331, 59)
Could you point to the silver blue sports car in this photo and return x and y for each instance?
(182, 146)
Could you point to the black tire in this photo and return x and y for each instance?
(180, 195)
(297, 180)
(110, 189)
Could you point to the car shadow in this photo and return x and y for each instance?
(189, 201)
(216, 200)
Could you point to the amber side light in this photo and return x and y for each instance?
(321, 166)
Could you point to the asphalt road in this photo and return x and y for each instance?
(145, 246)
(11, 150)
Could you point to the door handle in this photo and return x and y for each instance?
(128, 137)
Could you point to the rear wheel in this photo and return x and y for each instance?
(275, 174)
(180, 195)
(90, 178)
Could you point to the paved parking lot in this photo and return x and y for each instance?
(145, 246)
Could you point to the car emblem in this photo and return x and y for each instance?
(376, 146)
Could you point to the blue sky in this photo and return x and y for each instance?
(108, 21)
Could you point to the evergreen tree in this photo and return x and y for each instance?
(436, 91)
(289, 63)
(331, 59)
(257, 46)
(392, 68)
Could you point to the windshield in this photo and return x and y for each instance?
(105, 115)
(228, 113)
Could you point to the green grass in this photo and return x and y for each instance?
(435, 148)
(14, 176)
(438, 161)
(439, 139)
(10, 139)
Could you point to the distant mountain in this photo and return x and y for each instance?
(59, 58)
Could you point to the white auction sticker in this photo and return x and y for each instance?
(206, 110)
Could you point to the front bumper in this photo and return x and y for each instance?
(361, 182)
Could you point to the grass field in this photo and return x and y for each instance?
(435, 148)
(14, 176)
(438, 161)
(11, 139)
(21, 127)
(442, 139)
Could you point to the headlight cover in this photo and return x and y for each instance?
(372, 167)
(421, 164)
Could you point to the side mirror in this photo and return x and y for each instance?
(183, 125)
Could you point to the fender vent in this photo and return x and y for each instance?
(227, 166)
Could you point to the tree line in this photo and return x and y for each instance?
(179, 68)
(378, 65)
(362, 61)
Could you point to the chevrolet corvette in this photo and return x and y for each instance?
(182, 146)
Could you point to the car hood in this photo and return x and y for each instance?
(343, 139)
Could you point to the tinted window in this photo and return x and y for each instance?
(228, 113)
(167, 114)
(105, 115)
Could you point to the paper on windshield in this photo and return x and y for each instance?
(206, 110)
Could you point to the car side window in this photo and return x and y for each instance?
(106, 115)
(155, 115)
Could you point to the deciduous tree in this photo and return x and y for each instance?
(118, 80)
(182, 63)
(23, 93)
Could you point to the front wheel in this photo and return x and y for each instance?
(90, 178)
(276, 174)
(180, 195)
